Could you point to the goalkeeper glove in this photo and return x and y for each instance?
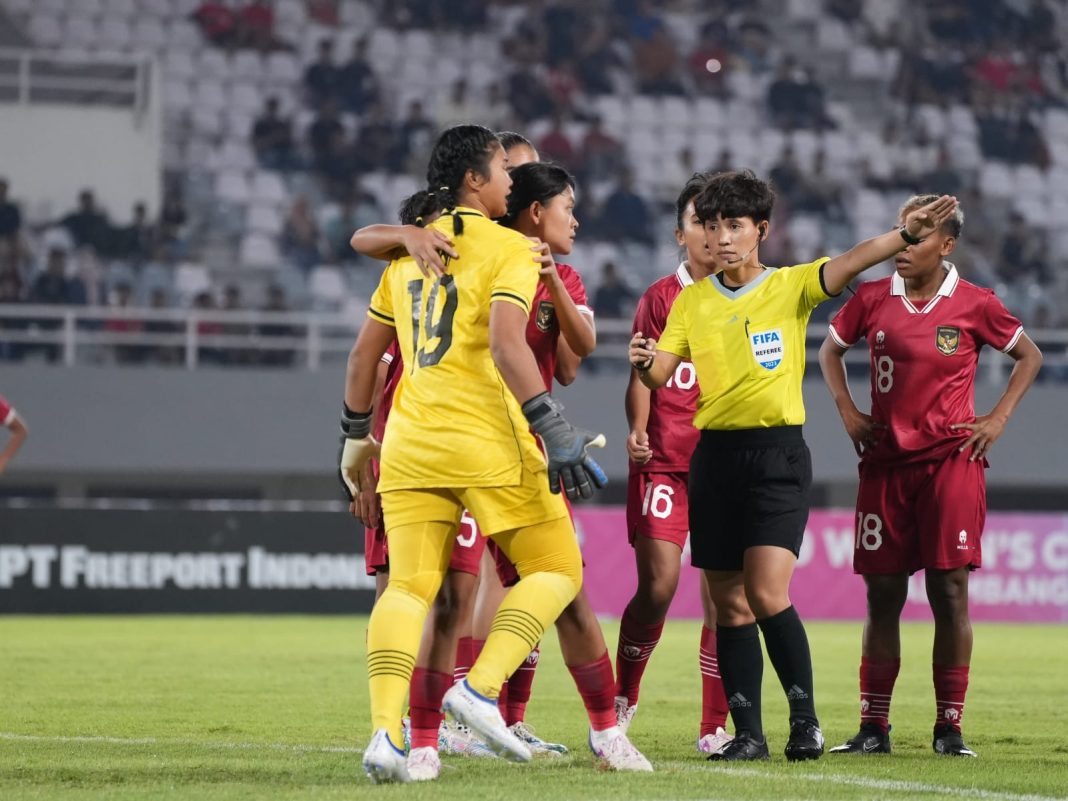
(357, 448)
(565, 448)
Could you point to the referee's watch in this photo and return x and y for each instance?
(909, 238)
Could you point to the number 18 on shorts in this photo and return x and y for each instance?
(658, 507)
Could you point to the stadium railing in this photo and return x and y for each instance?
(312, 340)
(34, 76)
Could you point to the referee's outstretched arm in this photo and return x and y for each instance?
(918, 224)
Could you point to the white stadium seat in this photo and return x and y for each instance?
(45, 29)
(79, 31)
(114, 34)
(232, 186)
(149, 34)
(258, 250)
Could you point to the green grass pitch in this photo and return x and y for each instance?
(276, 707)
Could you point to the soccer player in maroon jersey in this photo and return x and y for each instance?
(921, 503)
(662, 439)
(10, 420)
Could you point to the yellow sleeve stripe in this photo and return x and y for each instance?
(511, 297)
(381, 317)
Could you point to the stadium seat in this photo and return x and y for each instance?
(114, 34)
(209, 95)
(79, 31)
(290, 15)
(282, 68)
(996, 180)
(213, 65)
(120, 9)
(268, 186)
(232, 186)
(245, 97)
(932, 120)
(148, 34)
(233, 155)
(181, 31)
(177, 96)
(866, 63)
(832, 36)
(161, 9)
(258, 250)
(238, 124)
(327, 287)
(246, 64)
(86, 8)
(45, 30)
(356, 14)
(206, 122)
(21, 6)
(264, 218)
(190, 280)
(1031, 181)
(51, 6)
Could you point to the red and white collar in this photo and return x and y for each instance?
(949, 285)
(683, 275)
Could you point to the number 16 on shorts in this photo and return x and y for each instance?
(658, 507)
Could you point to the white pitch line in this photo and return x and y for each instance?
(892, 785)
(300, 749)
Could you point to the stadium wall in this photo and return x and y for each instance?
(62, 148)
(264, 426)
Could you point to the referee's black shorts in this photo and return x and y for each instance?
(747, 487)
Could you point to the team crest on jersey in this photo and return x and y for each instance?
(947, 339)
(546, 315)
(767, 347)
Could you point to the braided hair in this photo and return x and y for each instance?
(414, 208)
(458, 150)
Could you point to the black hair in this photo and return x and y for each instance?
(698, 181)
(415, 207)
(510, 139)
(535, 182)
(953, 224)
(458, 149)
(735, 194)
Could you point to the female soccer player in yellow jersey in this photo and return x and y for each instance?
(460, 437)
(744, 331)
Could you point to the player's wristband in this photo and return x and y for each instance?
(909, 238)
(355, 425)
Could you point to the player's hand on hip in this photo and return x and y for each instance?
(984, 432)
(862, 430)
(641, 351)
(925, 220)
(638, 447)
(570, 466)
(426, 246)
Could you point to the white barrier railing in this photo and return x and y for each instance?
(101, 334)
(35, 76)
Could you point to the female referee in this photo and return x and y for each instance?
(744, 331)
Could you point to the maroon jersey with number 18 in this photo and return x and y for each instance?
(923, 360)
(672, 436)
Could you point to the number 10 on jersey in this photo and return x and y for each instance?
(428, 355)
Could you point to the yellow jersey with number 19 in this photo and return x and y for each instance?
(747, 345)
(454, 423)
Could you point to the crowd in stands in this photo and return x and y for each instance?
(848, 105)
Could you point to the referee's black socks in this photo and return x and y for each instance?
(741, 664)
(787, 644)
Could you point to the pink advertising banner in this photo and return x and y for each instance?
(1024, 575)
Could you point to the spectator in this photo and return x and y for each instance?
(355, 212)
(10, 217)
(378, 147)
(613, 298)
(602, 153)
(529, 98)
(656, 63)
(121, 298)
(205, 302)
(458, 107)
(359, 85)
(796, 100)
(786, 176)
(709, 60)
(217, 22)
(322, 135)
(53, 287)
(300, 237)
(625, 216)
(172, 217)
(135, 242)
(417, 135)
(255, 24)
(88, 225)
(563, 84)
(555, 144)
(276, 302)
(162, 354)
(272, 138)
(944, 178)
(1022, 252)
(754, 47)
(322, 79)
(232, 303)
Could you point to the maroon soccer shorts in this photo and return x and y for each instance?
(658, 507)
(923, 515)
(466, 552)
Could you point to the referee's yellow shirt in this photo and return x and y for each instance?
(747, 345)
(454, 423)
